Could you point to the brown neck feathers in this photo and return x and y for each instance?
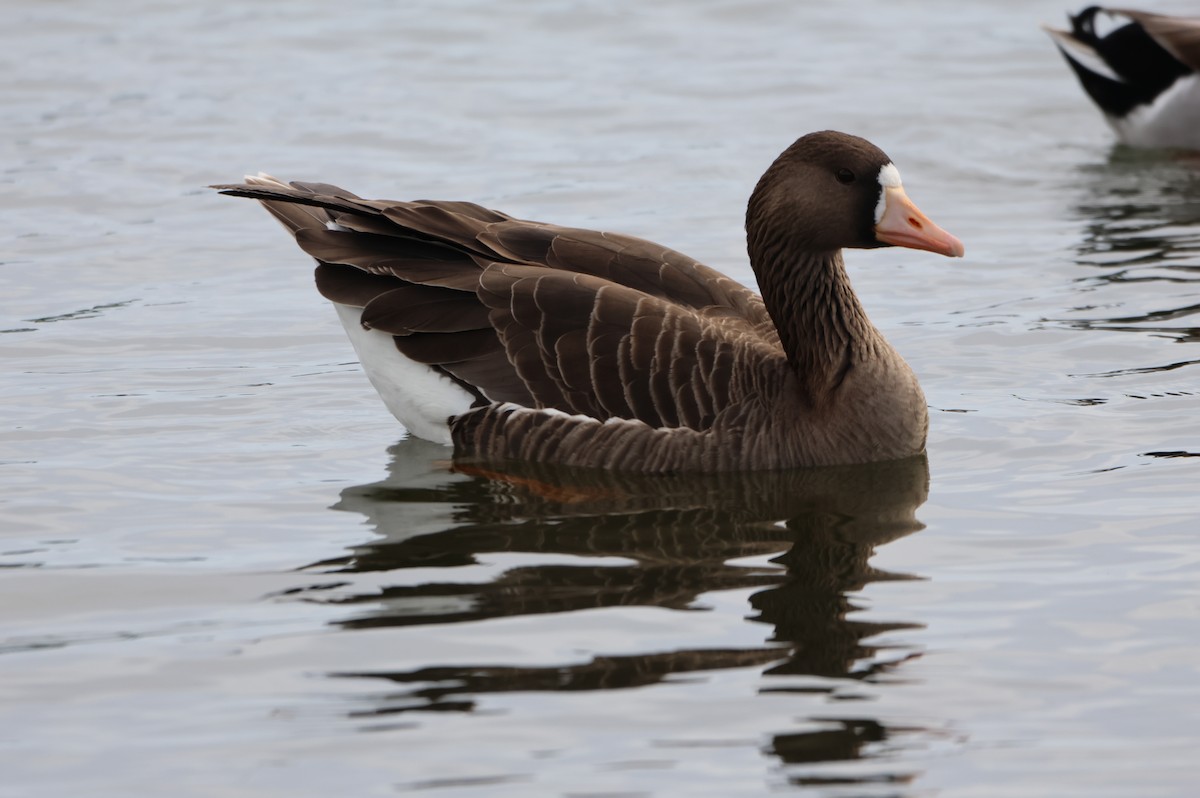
(822, 325)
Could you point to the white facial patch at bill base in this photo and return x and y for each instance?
(889, 177)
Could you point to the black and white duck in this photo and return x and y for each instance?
(1141, 69)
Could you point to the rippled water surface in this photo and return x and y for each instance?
(227, 573)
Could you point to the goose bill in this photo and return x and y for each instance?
(903, 225)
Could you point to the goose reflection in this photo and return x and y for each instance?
(1141, 217)
(630, 540)
(1139, 208)
(656, 541)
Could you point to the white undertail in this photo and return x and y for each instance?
(419, 397)
(1172, 120)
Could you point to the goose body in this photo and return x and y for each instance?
(1143, 73)
(513, 339)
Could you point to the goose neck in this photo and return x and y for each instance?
(822, 326)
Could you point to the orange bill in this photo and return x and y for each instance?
(903, 225)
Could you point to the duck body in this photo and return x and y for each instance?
(1143, 73)
(519, 340)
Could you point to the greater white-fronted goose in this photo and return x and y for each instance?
(520, 340)
(1143, 72)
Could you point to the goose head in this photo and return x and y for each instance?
(830, 191)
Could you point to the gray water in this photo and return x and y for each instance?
(227, 573)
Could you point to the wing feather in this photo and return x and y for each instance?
(592, 324)
(597, 363)
(1179, 36)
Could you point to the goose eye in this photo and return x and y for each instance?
(845, 176)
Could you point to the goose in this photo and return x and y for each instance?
(1143, 74)
(516, 340)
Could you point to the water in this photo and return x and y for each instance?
(226, 574)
